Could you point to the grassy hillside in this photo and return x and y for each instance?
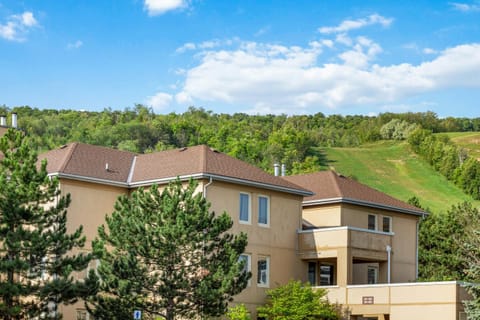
(467, 140)
(392, 168)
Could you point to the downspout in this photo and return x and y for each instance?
(389, 254)
(416, 248)
(206, 186)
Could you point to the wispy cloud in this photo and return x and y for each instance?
(17, 26)
(348, 25)
(158, 7)
(75, 45)
(159, 101)
(466, 7)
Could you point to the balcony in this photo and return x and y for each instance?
(419, 300)
(326, 243)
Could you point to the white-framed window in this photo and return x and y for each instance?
(263, 271)
(247, 259)
(387, 224)
(263, 210)
(245, 209)
(372, 275)
(372, 222)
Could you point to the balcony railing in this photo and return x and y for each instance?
(324, 242)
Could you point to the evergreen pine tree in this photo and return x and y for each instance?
(165, 253)
(36, 259)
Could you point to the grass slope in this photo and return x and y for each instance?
(470, 141)
(392, 168)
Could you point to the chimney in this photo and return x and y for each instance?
(14, 120)
(3, 121)
(284, 170)
(276, 169)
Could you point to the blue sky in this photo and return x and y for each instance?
(258, 57)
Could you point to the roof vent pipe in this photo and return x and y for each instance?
(276, 169)
(3, 121)
(14, 120)
(284, 170)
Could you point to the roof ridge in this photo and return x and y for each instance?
(205, 157)
(68, 156)
(334, 176)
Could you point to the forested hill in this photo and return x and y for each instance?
(296, 141)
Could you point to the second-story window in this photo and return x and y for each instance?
(387, 224)
(244, 208)
(372, 222)
(263, 210)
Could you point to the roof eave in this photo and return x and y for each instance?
(224, 179)
(365, 204)
(150, 182)
(88, 179)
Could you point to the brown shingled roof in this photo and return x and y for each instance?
(328, 187)
(83, 161)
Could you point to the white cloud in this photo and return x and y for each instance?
(17, 26)
(158, 7)
(429, 51)
(348, 25)
(159, 101)
(186, 47)
(465, 7)
(75, 45)
(275, 78)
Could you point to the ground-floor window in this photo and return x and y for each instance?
(327, 275)
(263, 269)
(372, 275)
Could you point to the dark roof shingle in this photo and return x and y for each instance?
(330, 186)
(88, 161)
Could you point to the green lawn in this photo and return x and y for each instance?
(392, 168)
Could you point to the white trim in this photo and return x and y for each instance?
(132, 169)
(265, 225)
(267, 271)
(390, 224)
(375, 228)
(249, 208)
(248, 266)
(145, 183)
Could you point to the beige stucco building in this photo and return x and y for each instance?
(358, 243)
(361, 245)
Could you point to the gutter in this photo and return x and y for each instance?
(362, 203)
(183, 178)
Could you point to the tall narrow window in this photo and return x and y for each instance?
(387, 224)
(263, 210)
(312, 273)
(372, 275)
(247, 263)
(372, 222)
(327, 275)
(263, 266)
(244, 208)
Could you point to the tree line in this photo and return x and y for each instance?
(258, 139)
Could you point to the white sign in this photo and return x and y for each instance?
(137, 314)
